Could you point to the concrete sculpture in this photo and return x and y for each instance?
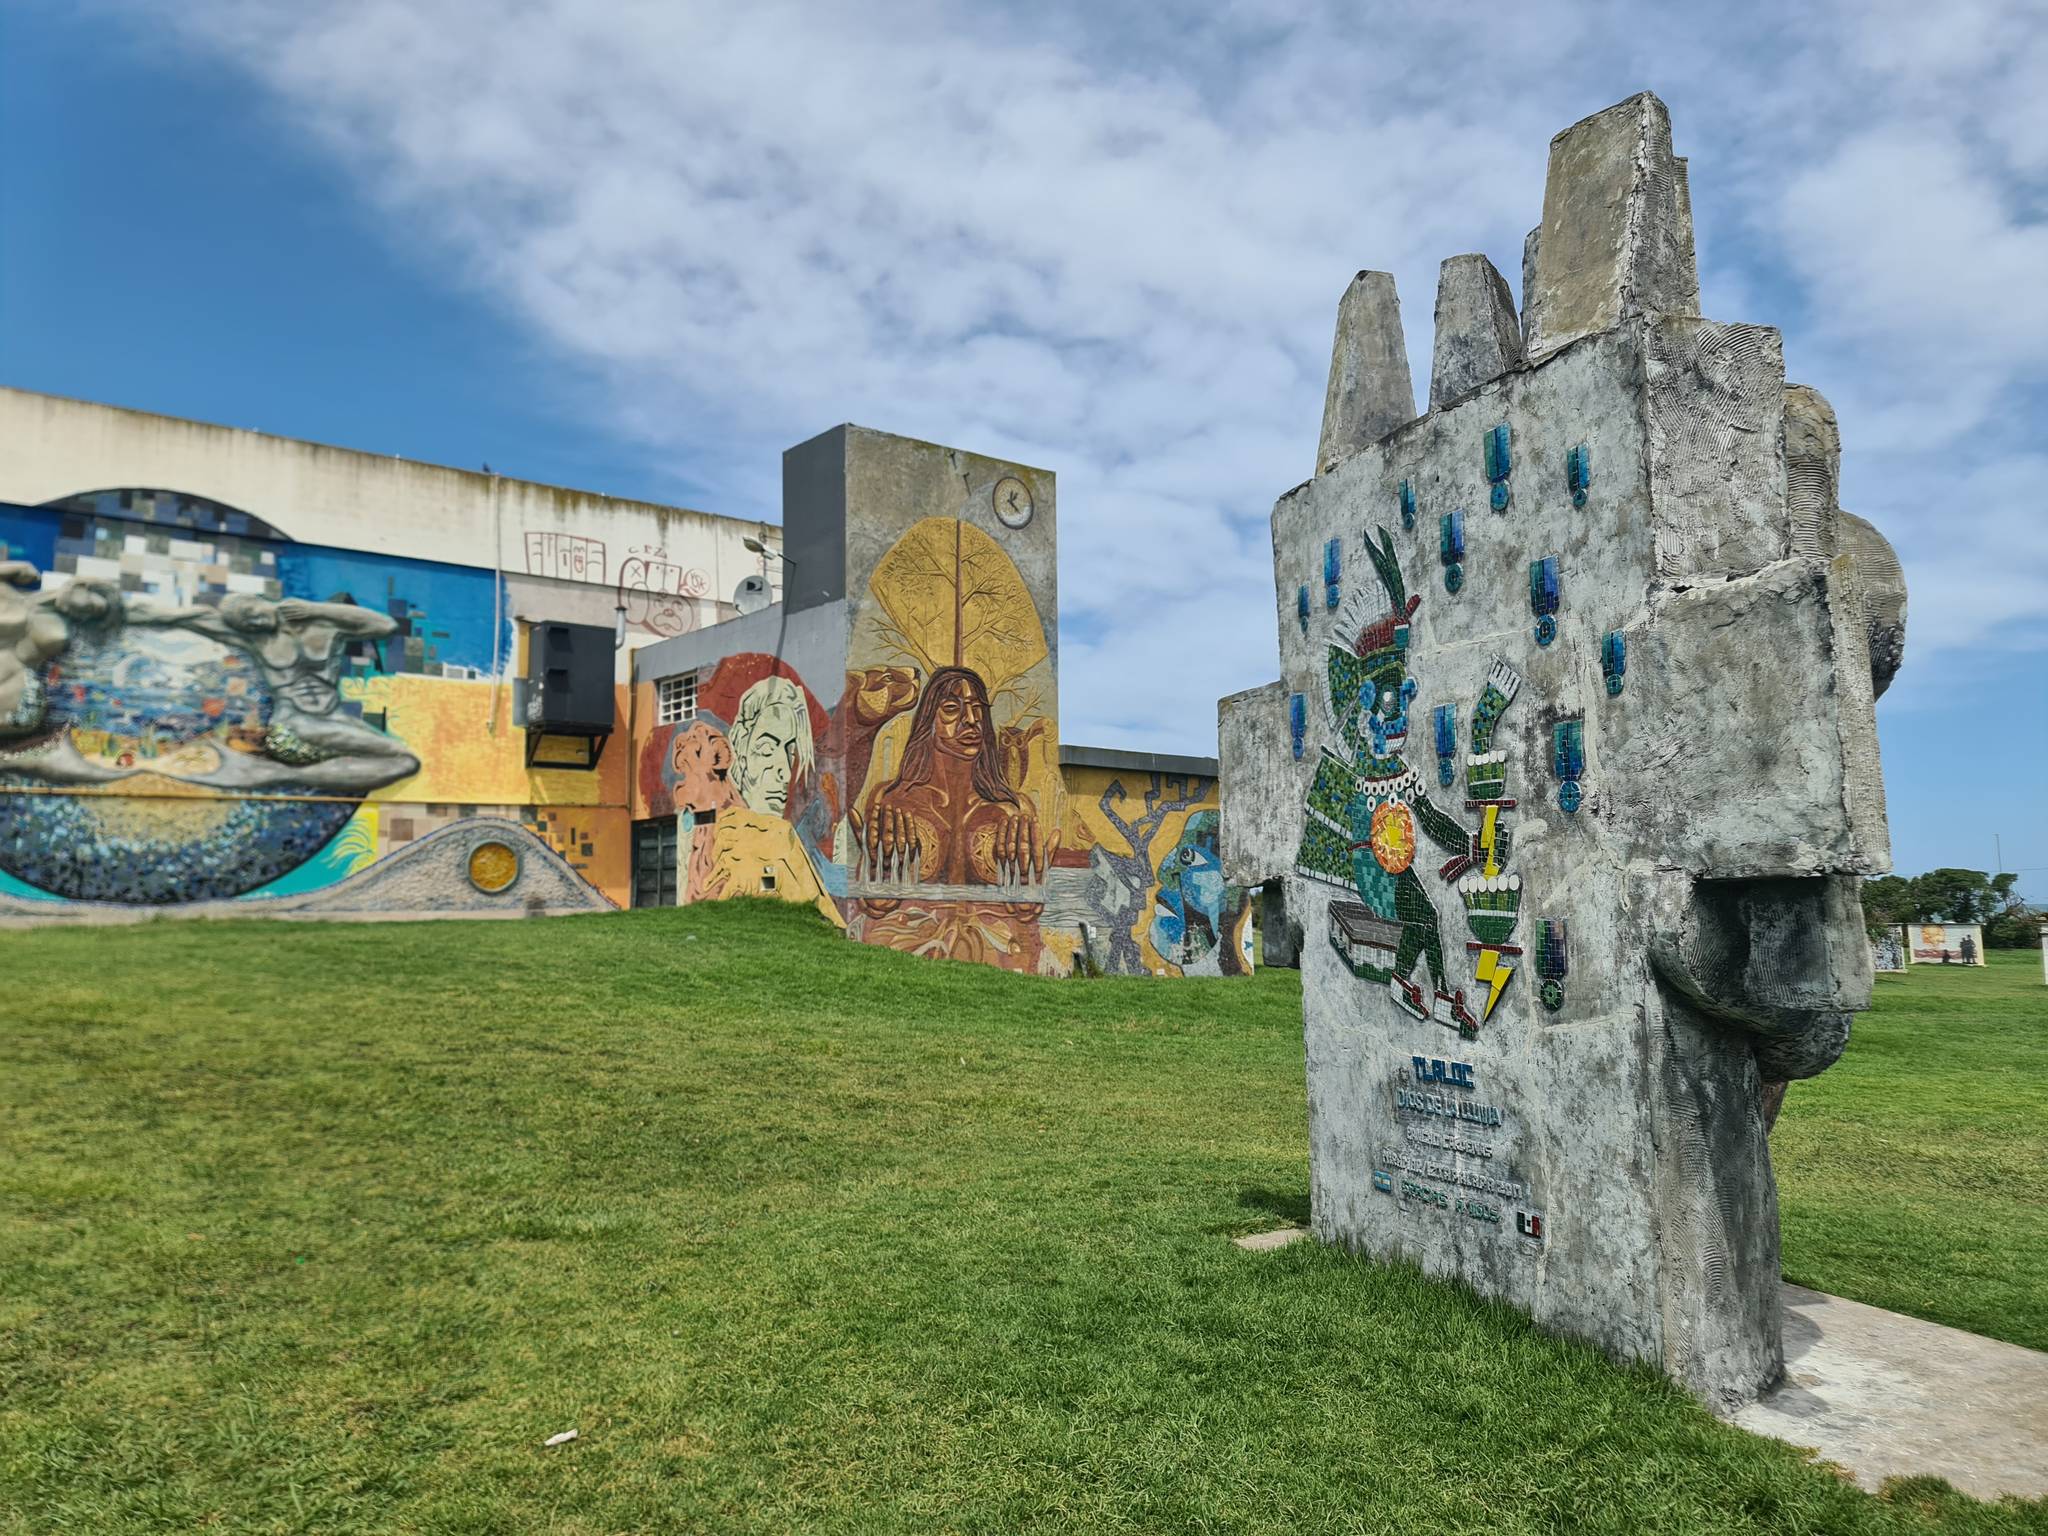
(1575, 730)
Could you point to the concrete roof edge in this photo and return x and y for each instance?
(1136, 762)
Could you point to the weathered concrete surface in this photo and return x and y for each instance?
(1121, 759)
(1260, 787)
(1616, 237)
(1556, 946)
(1813, 470)
(319, 494)
(1888, 1396)
(1807, 733)
(1716, 440)
(1478, 334)
(1266, 1242)
(1371, 391)
(1819, 526)
(1883, 585)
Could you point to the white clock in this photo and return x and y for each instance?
(1012, 500)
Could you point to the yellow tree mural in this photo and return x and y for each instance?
(954, 598)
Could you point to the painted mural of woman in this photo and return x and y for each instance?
(950, 815)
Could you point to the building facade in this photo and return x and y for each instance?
(241, 674)
(884, 744)
(237, 668)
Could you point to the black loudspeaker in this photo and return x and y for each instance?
(569, 667)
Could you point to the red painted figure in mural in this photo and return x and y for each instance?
(950, 816)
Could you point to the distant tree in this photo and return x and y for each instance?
(2017, 929)
(1888, 901)
(1953, 896)
(2012, 923)
(1956, 895)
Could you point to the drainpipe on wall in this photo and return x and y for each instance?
(497, 600)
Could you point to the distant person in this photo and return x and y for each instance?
(1969, 950)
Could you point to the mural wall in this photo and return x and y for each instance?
(955, 801)
(754, 784)
(1137, 887)
(195, 708)
(1945, 944)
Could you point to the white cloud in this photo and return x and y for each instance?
(1111, 242)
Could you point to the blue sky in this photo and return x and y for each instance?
(641, 248)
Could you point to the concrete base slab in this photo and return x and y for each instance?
(1888, 1396)
(1266, 1242)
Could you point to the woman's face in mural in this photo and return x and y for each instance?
(960, 722)
(764, 770)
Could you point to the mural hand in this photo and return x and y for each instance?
(1006, 838)
(913, 843)
(882, 835)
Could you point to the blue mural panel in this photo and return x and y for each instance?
(28, 533)
(443, 612)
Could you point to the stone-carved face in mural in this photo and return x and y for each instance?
(952, 718)
(959, 718)
(771, 744)
(85, 601)
(950, 814)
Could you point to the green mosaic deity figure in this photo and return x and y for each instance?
(1367, 808)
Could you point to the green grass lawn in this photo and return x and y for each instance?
(310, 1228)
(1914, 1173)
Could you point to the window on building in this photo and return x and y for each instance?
(675, 699)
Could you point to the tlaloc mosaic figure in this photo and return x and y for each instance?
(1665, 795)
(1367, 809)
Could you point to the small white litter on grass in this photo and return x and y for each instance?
(562, 1439)
(1265, 1242)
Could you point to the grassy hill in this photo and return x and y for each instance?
(309, 1228)
(1914, 1173)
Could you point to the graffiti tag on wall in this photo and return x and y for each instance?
(568, 556)
(658, 595)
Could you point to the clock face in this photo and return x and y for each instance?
(1012, 502)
